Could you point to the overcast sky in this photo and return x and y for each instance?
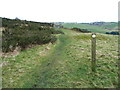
(60, 10)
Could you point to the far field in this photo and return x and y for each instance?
(103, 28)
(65, 63)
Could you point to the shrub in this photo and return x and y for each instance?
(24, 33)
(81, 30)
(113, 33)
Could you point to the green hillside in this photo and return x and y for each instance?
(106, 27)
(110, 26)
(64, 64)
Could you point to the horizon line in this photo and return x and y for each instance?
(60, 21)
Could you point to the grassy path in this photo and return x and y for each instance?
(66, 65)
(54, 69)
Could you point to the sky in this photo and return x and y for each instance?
(60, 10)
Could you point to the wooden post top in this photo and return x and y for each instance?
(93, 35)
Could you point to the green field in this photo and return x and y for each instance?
(111, 26)
(106, 27)
(66, 63)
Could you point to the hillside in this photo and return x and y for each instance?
(94, 27)
(64, 64)
(106, 25)
(24, 34)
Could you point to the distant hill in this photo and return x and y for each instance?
(99, 27)
(106, 25)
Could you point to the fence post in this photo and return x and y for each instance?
(93, 52)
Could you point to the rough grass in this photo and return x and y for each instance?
(23, 68)
(87, 36)
(106, 75)
(65, 65)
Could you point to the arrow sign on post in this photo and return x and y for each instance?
(93, 52)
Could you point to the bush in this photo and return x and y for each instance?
(81, 30)
(113, 33)
(58, 32)
(53, 40)
(24, 33)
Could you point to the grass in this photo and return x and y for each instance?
(87, 36)
(106, 75)
(85, 26)
(22, 69)
(111, 25)
(98, 29)
(67, 64)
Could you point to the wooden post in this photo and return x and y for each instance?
(93, 52)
